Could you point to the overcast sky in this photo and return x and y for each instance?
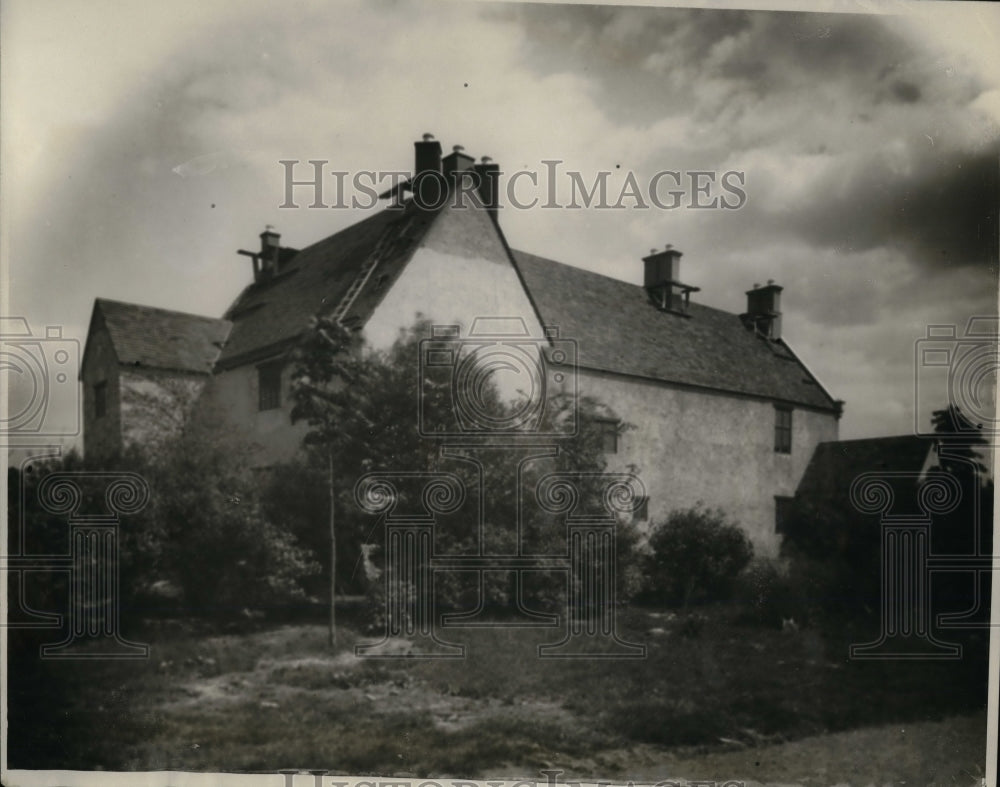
(141, 144)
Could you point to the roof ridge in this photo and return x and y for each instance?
(616, 280)
(160, 309)
(713, 351)
(883, 437)
(328, 270)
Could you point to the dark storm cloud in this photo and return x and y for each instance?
(650, 62)
(943, 214)
(893, 123)
(613, 47)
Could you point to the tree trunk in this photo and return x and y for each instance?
(333, 560)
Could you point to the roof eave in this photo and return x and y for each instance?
(831, 409)
(256, 354)
(836, 405)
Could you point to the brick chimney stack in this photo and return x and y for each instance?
(456, 161)
(763, 313)
(488, 184)
(662, 280)
(427, 156)
(272, 256)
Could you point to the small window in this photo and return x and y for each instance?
(101, 399)
(269, 385)
(609, 436)
(783, 430)
(641, 513)
(782, 513)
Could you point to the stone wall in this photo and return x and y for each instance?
(693, 446)
(101, 436)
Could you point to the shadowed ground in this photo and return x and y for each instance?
(728, 701)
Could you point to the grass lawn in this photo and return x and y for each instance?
(278, 697)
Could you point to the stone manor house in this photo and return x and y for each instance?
(725, 412)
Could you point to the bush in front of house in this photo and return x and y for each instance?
(212, 536)
(776, 595)
(696, 554)
(202, 544)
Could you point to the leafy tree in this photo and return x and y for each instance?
(968, 530)
(362, 409)
(696, 555)
(959, 444)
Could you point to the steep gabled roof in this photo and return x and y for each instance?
(161, 339)
(617, 329)
(835, 465)
(273, 313)
(712, 349)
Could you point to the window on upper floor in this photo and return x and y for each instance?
(609, 435)
(783, 430)
(782, 513)
(269, 386)
(101, 399)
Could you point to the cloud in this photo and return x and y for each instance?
(146, 148)
(941, 210)
(853, 134)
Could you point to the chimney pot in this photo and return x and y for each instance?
(269, 239)
(427, 163)
(456, 161)
(763, 313)
(488, 184)
(662, 275)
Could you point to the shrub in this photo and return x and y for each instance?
(211, 536)
(768, 594)
(202, 543)
(371, 425)
(696, 555)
